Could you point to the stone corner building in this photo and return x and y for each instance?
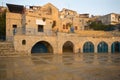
(45, 29)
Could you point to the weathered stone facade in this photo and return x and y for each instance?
(48, 16)
(110, 19)
(45, 29)
(58, 41)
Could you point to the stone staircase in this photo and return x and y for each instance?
(6, 48)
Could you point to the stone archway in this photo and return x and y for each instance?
(88, 47)
(68, 47)
(42, 47)
(102, 47)
(115, 47)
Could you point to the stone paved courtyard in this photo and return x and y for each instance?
(61, 67)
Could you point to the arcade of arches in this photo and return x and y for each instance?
(68, 47)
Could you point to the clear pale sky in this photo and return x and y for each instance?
(95, 7)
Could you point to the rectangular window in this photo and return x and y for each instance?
(54, 24)
(14, 29)
(40, 28)
(66, 27)
(14, 26)
(76, 27)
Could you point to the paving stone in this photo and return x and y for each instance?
(65, 67)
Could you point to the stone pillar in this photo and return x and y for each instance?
(109, 49)
(95, 48)
(59, 50)
(81, 49)
(77, 49)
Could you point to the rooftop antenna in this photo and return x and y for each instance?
(2, 3)
(68, 6)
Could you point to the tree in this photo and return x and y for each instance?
(97, 25)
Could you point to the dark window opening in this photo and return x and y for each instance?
(23, 42)
(44, 19)
(40, 28)
(14, 26)
(63, 26)
(14, 29)
(76, 28)
(66, 27)
(54, 24)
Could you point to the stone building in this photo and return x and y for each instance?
(72, 19)
(110, 19)
(43, 29)
(34, 20)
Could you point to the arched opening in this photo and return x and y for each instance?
(42, 47)
(102, 47)
(23, 42)
(49, 10)
(88, 47)
(115, 47)
(68, 47)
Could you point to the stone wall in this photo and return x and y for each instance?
(12, 19)
(58, 41)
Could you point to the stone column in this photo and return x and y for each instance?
(109, 48)
(95, 49)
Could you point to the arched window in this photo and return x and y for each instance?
(88, 47)
(68, 47)
(23, 42)
(102, 47)
(115, 47)
(49, 10)
(63, 26)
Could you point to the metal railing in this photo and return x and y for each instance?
(48, 32)
(33, 31)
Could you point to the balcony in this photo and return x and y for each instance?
(34, 32)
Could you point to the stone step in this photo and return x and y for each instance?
(6, 48)
(5, 45)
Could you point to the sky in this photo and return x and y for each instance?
(93, 7)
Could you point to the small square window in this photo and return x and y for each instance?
(14, 26)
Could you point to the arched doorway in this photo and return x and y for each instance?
(115, 47)
(68, 47)
(42, 47)
(102, 47)
(88, 47)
